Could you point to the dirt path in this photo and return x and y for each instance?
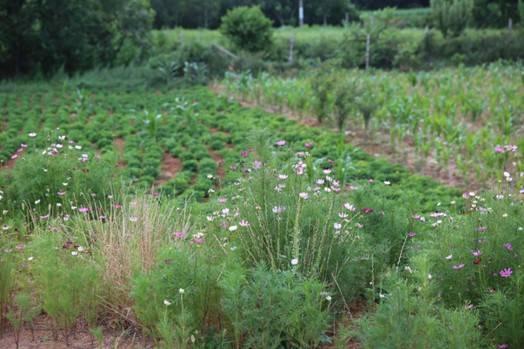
(120, 146)
(170, 167)
(219, 160)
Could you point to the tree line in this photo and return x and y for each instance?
(207, 13)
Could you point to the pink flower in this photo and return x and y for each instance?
(83, 210)
(367, 210)
(257, 164)
(476, 253)
(198, 239)
(308, 145)
(244, 223)
(280, 143)
(503, 346)
(179, 235)
(458, 266)
(499, 149)
(412, 234)
(506, 272)
(244, 153)
(508, 246)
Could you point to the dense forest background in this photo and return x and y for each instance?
(43, 36)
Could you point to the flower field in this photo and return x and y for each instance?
(177, 218)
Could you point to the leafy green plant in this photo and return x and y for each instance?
(180, 294)
(22, 312)
(248, 28)
(406, 318)
(67, 282)
(452, 16)
(268, 309)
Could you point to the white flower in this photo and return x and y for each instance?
(449, 257)
(74, 253)
(328, 298)
(294, 261)
(167, 303)
(133, 219)
(282, 176)
(80, 249)
(233, 228)
(278, 209)
(303, 195)
(387, 183)
(349, 207)
(430, 277)
(32, 134)
(30, 258)
(181, 291)
(210, 176)
(337, 226)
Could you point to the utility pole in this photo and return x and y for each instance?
(301, 12)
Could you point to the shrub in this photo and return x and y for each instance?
(407, 319)
(180, 295)
(271, 309)
(67, 281)
(452, 16)
(247, 28)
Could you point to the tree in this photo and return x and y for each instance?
(247, 28)
(44, 35)
(452, 16)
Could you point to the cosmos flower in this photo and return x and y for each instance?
(303, 195)
(278, 209)
(180, 235)
(349, 207)
(198, 239)
(506, 272)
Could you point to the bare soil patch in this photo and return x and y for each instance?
(219, 160)
(43, 337)
(170, 167)
(120, 145)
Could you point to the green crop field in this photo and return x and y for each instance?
(353, 181)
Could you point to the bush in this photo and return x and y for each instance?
(273, 309)
(180, 295)
(406, 319)
(452, 16)
(247, 28)
(66, 281)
